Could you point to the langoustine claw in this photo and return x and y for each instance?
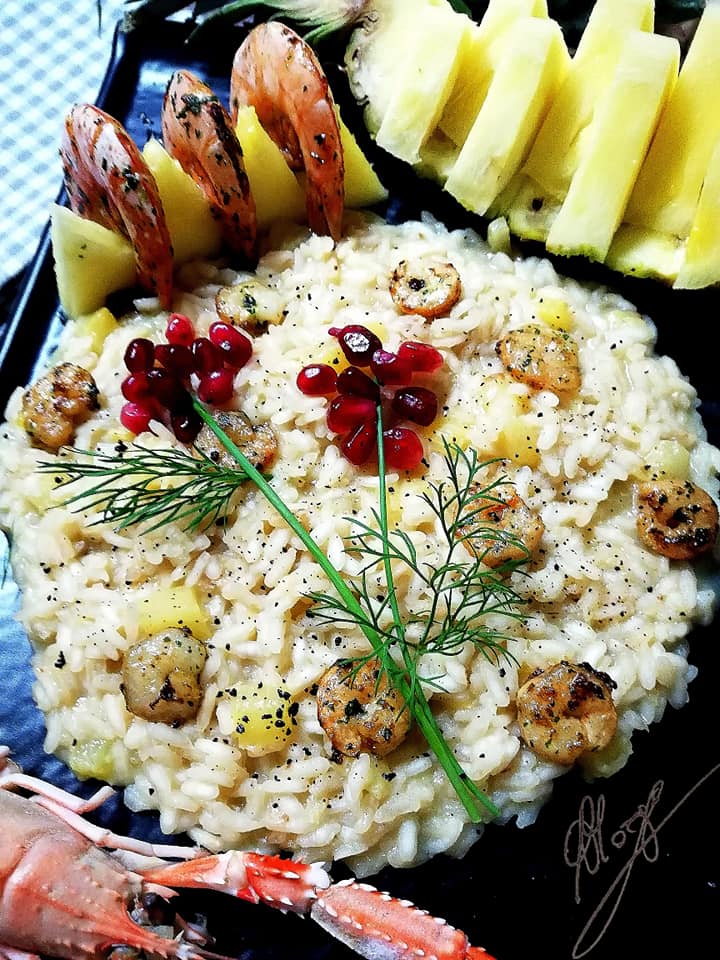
(278, 74)
(198, 133)
(107, 180)
(51, 864)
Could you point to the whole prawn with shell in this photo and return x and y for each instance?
(63, 895)
(107, 179)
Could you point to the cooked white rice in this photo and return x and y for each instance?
(595, 592)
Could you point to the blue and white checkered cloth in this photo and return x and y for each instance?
(52, 54)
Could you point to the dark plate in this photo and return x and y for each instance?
(628, 866)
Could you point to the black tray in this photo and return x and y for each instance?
(611, 869)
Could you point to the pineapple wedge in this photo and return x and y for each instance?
(702, 256)
(362, 185)
(91, 261)
(194, 232)
(616, 144)
(520, 92)
(536, 194)
(667, 190)
(640, 252)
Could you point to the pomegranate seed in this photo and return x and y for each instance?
(165, 387)
(216, 386)
(346, 413)
(175, 357)
(402, 447)
(136, 387)
(417, 404)
(355, 383)
(186, 425)
(358, 445)
(139, 355)
(423, 358)
(206, 356)
(136, 417)
(358, 344)
(235, 347)
(390, 368)
(317, 380)
(179, 330)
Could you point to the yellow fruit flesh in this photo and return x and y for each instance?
(702, 256)
(91, 261)
(639, 252)
(520, 92)
(362, 185)
(667, 190)
(96, 326)
(262, 717)
(275, 189)
(173, 607)
(194, 233)
(616, 144)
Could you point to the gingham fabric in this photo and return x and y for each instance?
(52, 54)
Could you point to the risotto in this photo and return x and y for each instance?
(593, 592)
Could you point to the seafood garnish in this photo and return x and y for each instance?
(52, 861)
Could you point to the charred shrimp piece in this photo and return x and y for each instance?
(276, 72)
(566, 710)
(251, 304)
(57, 403)
(676, 518)
(499, 527)
(428, 288)
(258, 442)
(162, 677)
(51, 865)
(543, 359)
(359, 711)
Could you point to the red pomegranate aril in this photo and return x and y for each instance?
(422, 357)
(346, 413)
(390, 368)
(216, 386)
(179, 330)
(357, 446)
(415, 403)
(353, 382)
(186, 425)
(165, 387)
(235, 347)
(136, 417)
(139, 355)
(175, 357)
(358, 344)
(317, 380)
(136, 387)
(402, 447)
(206, 356)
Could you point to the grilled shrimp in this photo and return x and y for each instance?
(198, 133)
(566, 710)
(161, 676)
(56, 403)
(359, 711)
(676, 518)
(64, 897)
(430, 288)
(500, 528)
(278, 74)
(258, 442)
(542, 359)
(107, 180)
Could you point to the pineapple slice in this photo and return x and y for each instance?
(194, 232)
(362, 185)
(640, 252)
(519, 95)
(423, 82)
(173, 606)
(535, 195)
(616, 144)
(91, 261)
(96, 326)
(667, 190)
(702, 256)
(274, 186)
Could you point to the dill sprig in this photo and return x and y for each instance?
(158, 487)
(150, 488)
